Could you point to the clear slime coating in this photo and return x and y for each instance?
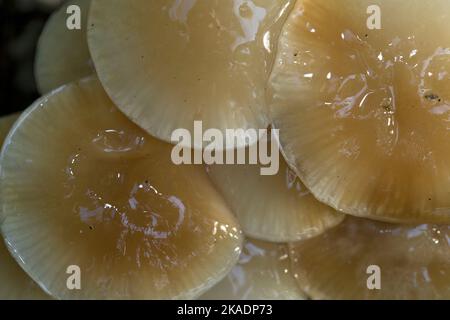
(166, 63)
(275, 208)
(15, 283)
(103, 195)
(414, 261)
(262, 273)
(364, 114)
(62, 54)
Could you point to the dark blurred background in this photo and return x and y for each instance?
(21, 22)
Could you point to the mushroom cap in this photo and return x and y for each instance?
(413, 260)
(16, 285)
(63, 55)
(83, 186)
(363, 114)
(166, 64)
(276, 208)
(262, 273)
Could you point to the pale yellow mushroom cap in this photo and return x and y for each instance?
(275, 208)
(363, 259)
(62, 54)
(262, 273)
(364, 114)
(167, 63)
(84, 187)
(14, 282)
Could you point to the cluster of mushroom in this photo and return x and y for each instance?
(87, 180)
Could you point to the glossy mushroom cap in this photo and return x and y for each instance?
(363, 114)
(262, 273)
(363, 259)
(62, 53)
(276, 208)
(15, 283)
(167, 63)
(83, 187)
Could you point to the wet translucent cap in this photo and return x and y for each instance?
(62, 54)
(83, 187)
(363, 259)
(15, 283)
(167, 63)
(262, 273)
(364, 114)
(275, 208)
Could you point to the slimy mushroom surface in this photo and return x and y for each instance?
(410, 262)
(82, 187)
(14, 282)
(62, 54)
(262, 273)
(364, 114)
(167, 63)
(276, 208)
